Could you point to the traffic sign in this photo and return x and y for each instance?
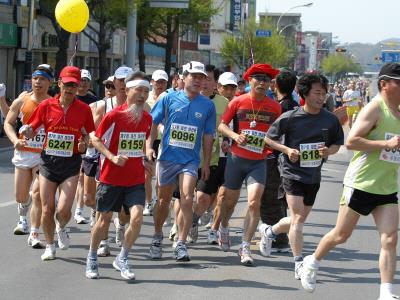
(263, 33)
(387, 57)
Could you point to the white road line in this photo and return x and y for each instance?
(9, 203)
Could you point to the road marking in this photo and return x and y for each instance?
(9, 203)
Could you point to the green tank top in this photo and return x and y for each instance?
(376, 172)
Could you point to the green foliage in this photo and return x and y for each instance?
(339, 64)
(272, 50)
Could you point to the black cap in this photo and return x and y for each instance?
(390, 70)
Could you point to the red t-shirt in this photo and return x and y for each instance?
(123, 136)
(63, 129)
(243, 111)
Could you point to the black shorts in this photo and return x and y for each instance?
(156, 146)
(297, 188)
(364, 203)
(89, 166)
(215, 180)
(57, 169)
(113, 198)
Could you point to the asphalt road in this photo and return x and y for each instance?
(349, 272)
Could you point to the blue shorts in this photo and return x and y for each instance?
(168, 172)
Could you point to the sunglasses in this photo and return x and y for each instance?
(264, 78)
(110, 86)
(70, 84)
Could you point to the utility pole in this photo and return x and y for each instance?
(131, 36)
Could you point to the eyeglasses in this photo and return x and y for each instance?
(264, 78)
(110, 86)
(70, 84)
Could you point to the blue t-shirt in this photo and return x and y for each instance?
(185, 121)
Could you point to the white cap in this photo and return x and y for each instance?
(159, 74)
(195, 67)
(110, 79)
(86, 74)
(227, 78)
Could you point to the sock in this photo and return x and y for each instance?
(245, 244)
(313, 261)
(52, 247)
(92, 254)
(124, 252)
(180, 242)
(158, 236)
(270, 233)
(298, 258)
(196, 219)
(386, 289)
(78, 210)
(22, 219)
(34, 230)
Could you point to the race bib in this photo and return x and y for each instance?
(392, 156)
(37, 141)
(131, 144)
(254, 140)
(183, 136)
(309, 155)
(60, 144)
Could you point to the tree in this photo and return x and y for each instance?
(338, 64)
(272, 50)
(47, 8)
(165, 24)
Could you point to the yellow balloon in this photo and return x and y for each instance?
(72, 15)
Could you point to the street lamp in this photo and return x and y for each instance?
(297, 6)
(287, 26)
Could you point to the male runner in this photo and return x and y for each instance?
(370, 183)
(66, 120)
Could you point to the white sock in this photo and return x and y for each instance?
(386, 289)
(22, 218)
(313, 261)
(34, 230)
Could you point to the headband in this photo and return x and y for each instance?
(42, 73)
(138, 82)
(391, 77)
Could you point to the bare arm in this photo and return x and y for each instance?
(9, 124)
(118, 160)
(208, 141)
(293, 154)
(150, 154)
(98, 113)
(365, 122)
(228, 132)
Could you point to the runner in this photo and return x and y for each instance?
(27, 154)
(252, 114)
(189, 119)
(370, 183)
(120, 138)
(66, 121)
(352, 100)
(310, 134)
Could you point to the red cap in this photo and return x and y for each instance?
(260, 69)
(70, 74)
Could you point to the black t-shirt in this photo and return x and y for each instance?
(287, 103)
(304, 131)
(88, 98)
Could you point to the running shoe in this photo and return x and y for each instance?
(193, 234)
(245, 256)
(119, 232)
(92, 217)
(156, 248)
(22, 228)
(92, 268)
(49, 253)
(223, 240)
(309, 275)
(121, 264)
(389, 297)
(181, 253)
(265, 242)
(79, 219)
(35, 242)
(104, 249)
(298, 268)
(63, 239)
(206, 218)
(173, 232)
(148, 209)
(212, 237)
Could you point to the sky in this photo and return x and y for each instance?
(364, 21)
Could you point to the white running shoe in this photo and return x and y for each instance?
(223, 240)
(123, 266)
(245, 256)
(212, 237)
(265, 242)
(92, 269)
(119, 232)
(35, 242)
(193, 234)
(173, 232)
(298, 268)
(92, 217)
(148, 209)
(49, 253)
(156, 248)
(104, 249)
(22, 228)
(309, 275)
(79, 219)
(63, 239)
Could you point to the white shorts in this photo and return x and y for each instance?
(26, 159)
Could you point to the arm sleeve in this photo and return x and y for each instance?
(210, 121)
(158, 111)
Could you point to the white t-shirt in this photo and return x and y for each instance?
(354, 96)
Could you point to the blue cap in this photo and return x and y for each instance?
(122, 72)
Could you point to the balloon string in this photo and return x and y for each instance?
(71, 61)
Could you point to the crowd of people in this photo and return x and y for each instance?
(201, 140)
